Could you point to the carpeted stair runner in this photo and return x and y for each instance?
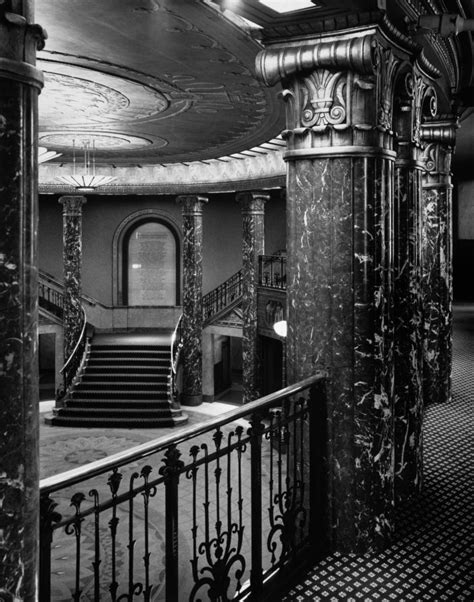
(124, 384)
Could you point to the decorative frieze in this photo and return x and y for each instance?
(192, 298)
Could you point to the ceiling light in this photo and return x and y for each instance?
(45, 155)
(88, 180)
(288, 6)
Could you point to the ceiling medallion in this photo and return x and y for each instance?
(104, 141)
(75, 95)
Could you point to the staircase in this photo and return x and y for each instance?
(123, 384)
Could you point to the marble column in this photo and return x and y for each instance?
(338, 92)
(253, 244)
(20, 84)
(439, 139)
(192, 298)
(408, 298)
(72, 269)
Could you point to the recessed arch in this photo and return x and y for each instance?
(147, 260)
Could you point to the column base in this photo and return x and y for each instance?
(208, 398)
(191, 400)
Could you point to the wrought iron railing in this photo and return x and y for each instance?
(76, 359)
(219, 511)
(175, 354)
(272, 271)
(50, 298)
(221, 297)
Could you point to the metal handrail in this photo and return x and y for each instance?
(222, 296)
(82, 473)
(79, 339)
(60, 287)
(175, 348)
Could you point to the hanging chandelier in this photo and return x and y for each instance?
(45, 155)
(85, 179)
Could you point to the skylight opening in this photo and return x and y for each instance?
(287, 6)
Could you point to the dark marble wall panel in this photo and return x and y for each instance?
(253, 245)
(192, 298)
(19, 466)
(72, 270)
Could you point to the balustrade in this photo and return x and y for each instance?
(222, 296)
(50, 298)
(219, 511)
(272, 271)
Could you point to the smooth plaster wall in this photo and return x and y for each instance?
(222, 236)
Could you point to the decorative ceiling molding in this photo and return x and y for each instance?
(230, 173)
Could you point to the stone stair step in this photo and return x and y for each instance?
(101, 422)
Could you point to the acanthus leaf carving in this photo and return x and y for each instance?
(325, 99)
(385, 66)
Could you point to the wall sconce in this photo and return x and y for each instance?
(281, 328)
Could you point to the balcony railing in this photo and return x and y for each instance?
(49, 297)
(219, 511)
(221, 297)
(272, 271)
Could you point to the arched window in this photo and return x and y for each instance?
(150, 267)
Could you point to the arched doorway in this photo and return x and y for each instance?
(147, 261)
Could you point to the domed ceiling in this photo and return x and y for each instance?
(150, 82)
(157, 82)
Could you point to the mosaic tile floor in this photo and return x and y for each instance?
(433, 557)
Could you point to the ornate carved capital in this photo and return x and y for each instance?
(278, 63)
(72, 205)
(441, 132)
(439, 138)
(191, 204)
(19, 41)
(338, 92)
(252, 202)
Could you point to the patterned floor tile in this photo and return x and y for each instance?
(432, 558)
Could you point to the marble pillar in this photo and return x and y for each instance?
(72, 269)
(20, 84)
(408, 297)
(253, 244)
(439, 139)
(338, 92)
(192, 298)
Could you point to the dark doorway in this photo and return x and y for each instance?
(272, 361)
